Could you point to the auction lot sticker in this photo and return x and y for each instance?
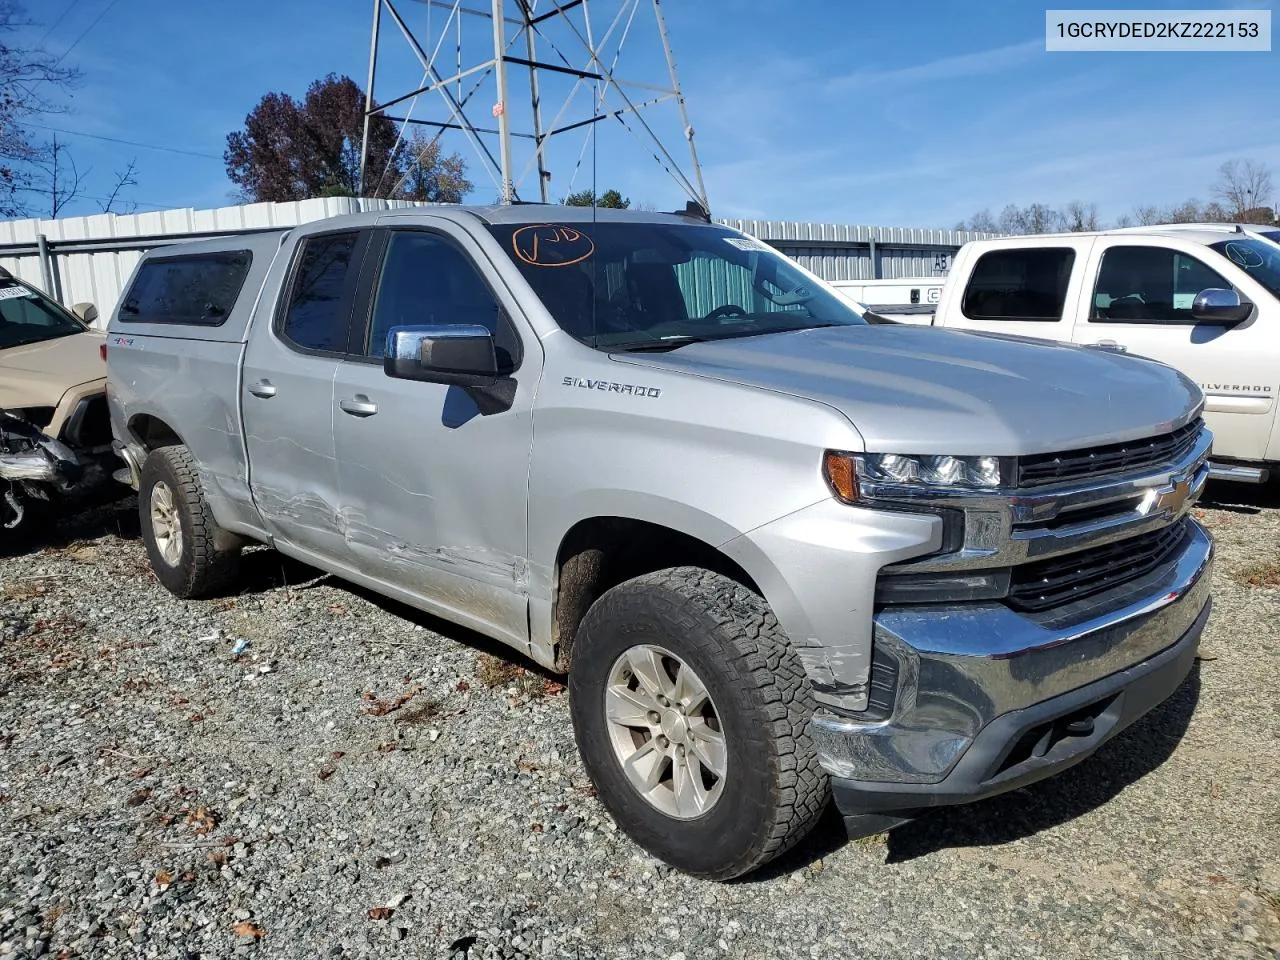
(1168, 30)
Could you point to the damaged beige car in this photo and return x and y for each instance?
(55, 435)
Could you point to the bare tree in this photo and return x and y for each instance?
(980, 222)
(1146, 215)
(58, 177)
(124, 180)
(1080, 217)
(1245, 189)
(29, 79)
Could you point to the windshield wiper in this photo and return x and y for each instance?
(31, 340)
(672, 343)
(663, 345)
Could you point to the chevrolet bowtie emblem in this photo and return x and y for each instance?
(1171, 499)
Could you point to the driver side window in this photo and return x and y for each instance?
(1150, 285)
(426, 280)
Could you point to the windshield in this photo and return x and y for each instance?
(622, 286)
(28, 317)
(1258, 258)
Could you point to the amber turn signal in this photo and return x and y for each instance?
(841, 474)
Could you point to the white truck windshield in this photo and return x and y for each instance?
(1258, 258)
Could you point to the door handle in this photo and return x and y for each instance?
(263, 389)
(359, 406)
(1110, 345)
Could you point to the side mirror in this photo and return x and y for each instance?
(459, 354)
(87, 312)
(1223, 307)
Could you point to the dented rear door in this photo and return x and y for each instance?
(286, 389)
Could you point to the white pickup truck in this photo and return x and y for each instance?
(1202, 298)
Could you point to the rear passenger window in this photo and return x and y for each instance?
(199, 289)
(1028, 284)
(1150, 285)
(317, 311)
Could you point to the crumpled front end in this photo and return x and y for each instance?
(37, 469)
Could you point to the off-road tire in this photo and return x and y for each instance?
(203, 569)
(774, 789)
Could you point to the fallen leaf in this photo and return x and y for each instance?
(536, 828)
(195, 718)
(524, 766)
(380, 913)
(463, 686)
(552, 688)
(338, 754)
(324, 773)
(380, 708)
(1215, 791)
(140, 773)
(163, 878)
(246, 929)
(201, 820)
(1217, 878)
(337, 609)
(139, 798)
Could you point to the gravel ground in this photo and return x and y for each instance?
(363, 780)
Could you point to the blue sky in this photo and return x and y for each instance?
(914, 114)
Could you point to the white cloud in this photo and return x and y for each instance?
(983, 63)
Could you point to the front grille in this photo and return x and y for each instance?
(1060, 580)
(1046, 468)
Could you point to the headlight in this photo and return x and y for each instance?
(846, 471)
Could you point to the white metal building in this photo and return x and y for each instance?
(88, 259)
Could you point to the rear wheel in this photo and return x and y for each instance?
(178, 528)
(691, 713)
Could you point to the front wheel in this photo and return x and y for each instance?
(691, 713)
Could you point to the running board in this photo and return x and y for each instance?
(1232, 471)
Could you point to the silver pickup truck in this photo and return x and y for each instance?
(782, 554)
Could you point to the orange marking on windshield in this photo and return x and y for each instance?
(551, 245)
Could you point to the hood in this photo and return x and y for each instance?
(922, 390)
(38, 374)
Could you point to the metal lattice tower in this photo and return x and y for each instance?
(469, 59)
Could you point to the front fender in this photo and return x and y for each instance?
(817, 568)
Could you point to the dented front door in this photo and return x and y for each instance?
(433, 494)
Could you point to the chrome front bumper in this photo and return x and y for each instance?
(962, 669)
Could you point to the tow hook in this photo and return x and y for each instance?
(16, 507)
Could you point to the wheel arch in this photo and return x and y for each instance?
(600, 552)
